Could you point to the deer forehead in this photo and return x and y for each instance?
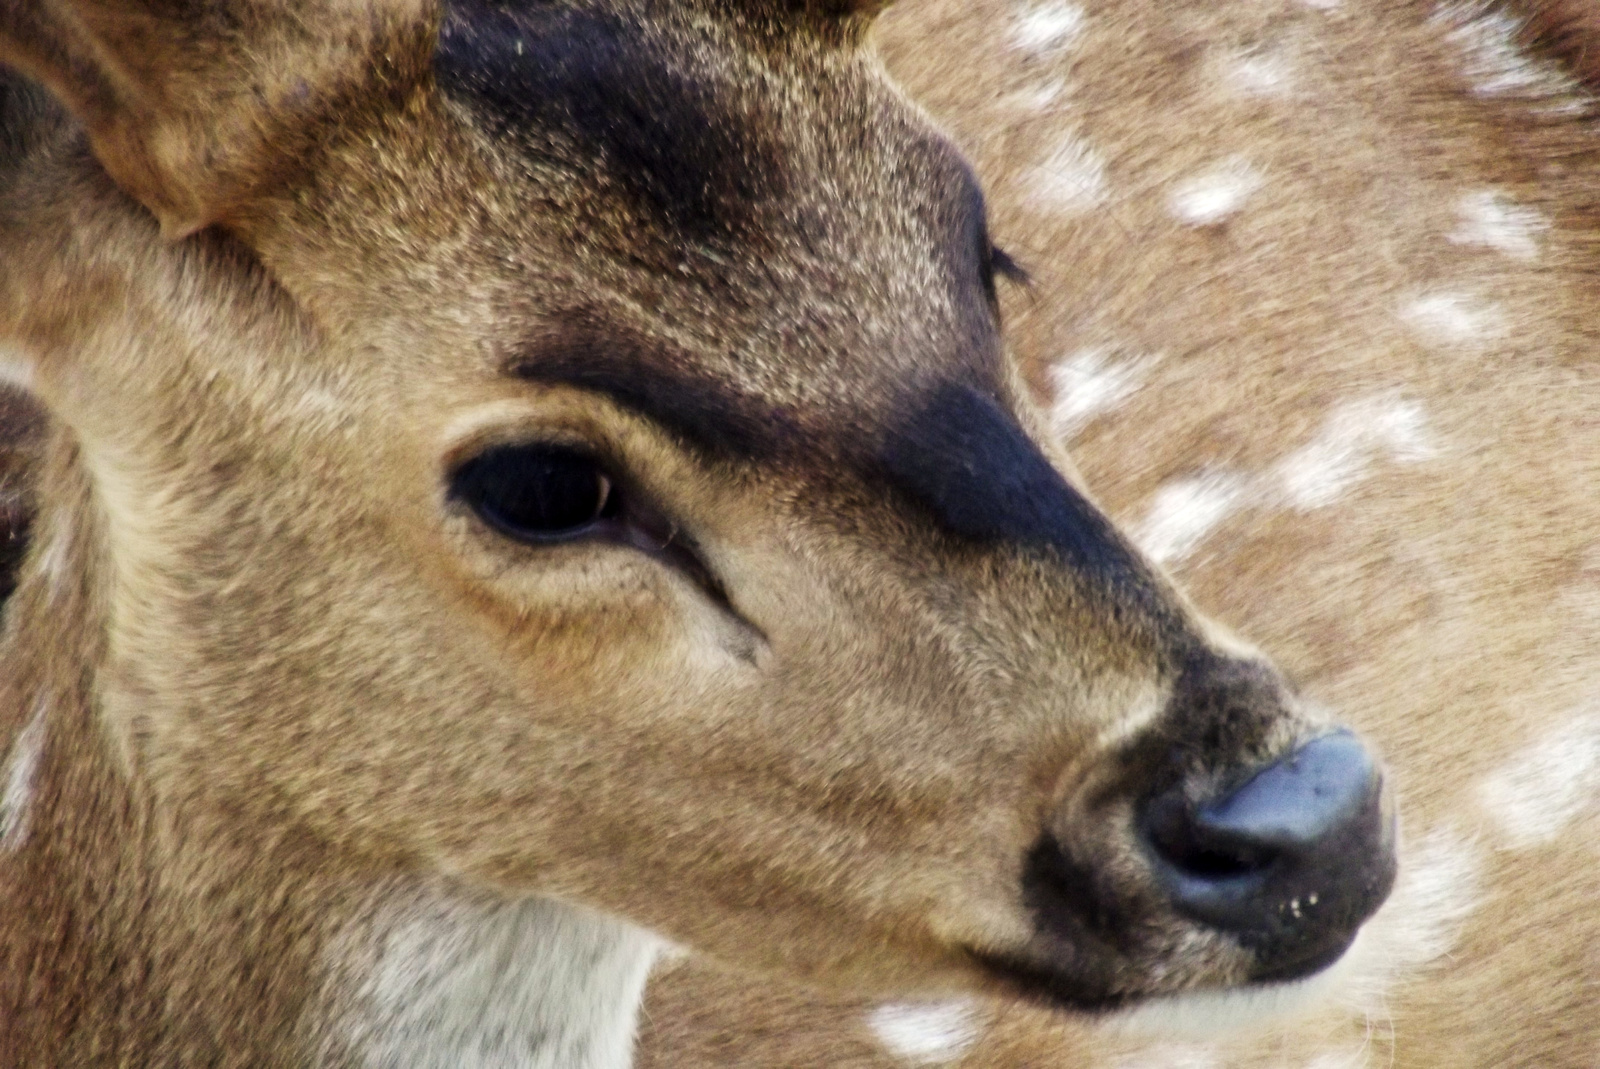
(771, 211)
(750, 243)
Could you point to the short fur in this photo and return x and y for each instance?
(1446, 598)
(309, 743)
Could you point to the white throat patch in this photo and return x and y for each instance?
(527, 985)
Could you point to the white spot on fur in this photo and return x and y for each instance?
(16, 370)
(1210, 197)
(1453, 319)
(1437, 889)
(531, 985)
(1185, 512)
(927, 1033)
(20, 767)
(1071, 179)
(1323, 470)
(317, 402)
(1495, 64)
(1323, 5)
(1352, 439)
(1042, 97)
(1491, 219)
(1089, 383)
(1258, 74)
(1547, 785)
(1048, 27)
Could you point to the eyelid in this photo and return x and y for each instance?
(644, 525)
(512, 423)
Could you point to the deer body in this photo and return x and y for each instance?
(524, 484)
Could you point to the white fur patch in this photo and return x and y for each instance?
(1494, 63)
(16, 370)
(1213, 195)
(1547, 785)
(1258, 74)
(1071, 179)
(1045, 96)
(1453, 319)
(1352, 438)
(1438, 888)
(931, 1033)
(1204, 1014)
(1344, 451)
(1048, 27)
(1183, 513)
(528, 985)
(20, 767)
(1089, 383)
(1489, 218)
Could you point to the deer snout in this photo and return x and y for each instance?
(1288, 863)
(1235, 840)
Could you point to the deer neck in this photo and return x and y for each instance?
(534, 984)
(178, 937)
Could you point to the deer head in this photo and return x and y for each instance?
(569, 449)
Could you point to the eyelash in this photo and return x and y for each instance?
(1003, 265)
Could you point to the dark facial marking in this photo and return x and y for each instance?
(589, 81)
(1053, 989)
(707, 414)
(973, 248)
(27, 116)
(966, 460)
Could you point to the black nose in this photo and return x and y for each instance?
(1290, 863)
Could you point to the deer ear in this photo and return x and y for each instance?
(196, 108)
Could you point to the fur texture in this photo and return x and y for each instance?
(1356, 414)
(853, 658)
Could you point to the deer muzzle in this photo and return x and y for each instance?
(1288, 863)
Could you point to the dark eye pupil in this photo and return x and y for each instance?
(534, 492)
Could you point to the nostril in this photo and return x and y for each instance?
(1290, 862)
(1181, 840)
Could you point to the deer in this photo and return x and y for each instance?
(526, 487)
(1312, 311)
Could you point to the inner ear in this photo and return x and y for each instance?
(196, 114)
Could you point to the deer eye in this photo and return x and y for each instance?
(536, 493)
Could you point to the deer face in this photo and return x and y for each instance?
(592, 469)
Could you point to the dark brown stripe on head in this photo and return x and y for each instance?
(707, 414)
(964, 459)
(590, 89)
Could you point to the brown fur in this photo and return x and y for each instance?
(1450, 607)
(1568, 30)
(288, 695)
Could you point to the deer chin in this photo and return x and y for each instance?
(1212, 1008)
(1208, 1014)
